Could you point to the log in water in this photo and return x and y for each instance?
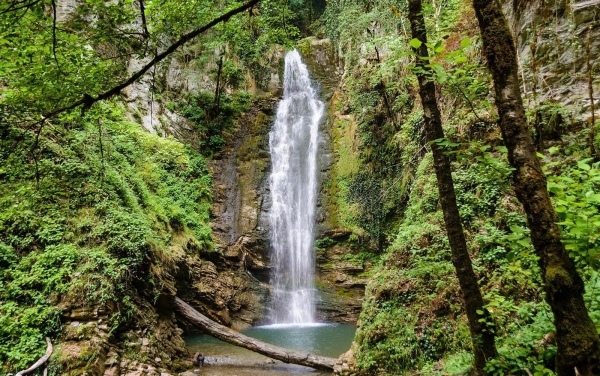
(225, 334)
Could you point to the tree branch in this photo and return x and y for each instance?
(87, 101)
(40, 361)
(143, 13)
(54, 32)
(19, 5)
(469, 102)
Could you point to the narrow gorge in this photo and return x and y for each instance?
(263, 167)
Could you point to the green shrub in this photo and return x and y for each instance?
(80, 227)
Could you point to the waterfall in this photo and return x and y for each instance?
(293, 185)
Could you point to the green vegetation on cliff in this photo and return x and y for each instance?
(94, 210)
(87, 214)
(412, 318)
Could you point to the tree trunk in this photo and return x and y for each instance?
(482, 335)
(576, 336)
(217, 103)
(225, 334)
(589, 65)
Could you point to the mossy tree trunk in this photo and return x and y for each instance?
(576, 335)
(482, 335)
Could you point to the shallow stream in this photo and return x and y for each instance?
(223, 359)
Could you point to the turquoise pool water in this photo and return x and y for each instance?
(329, 340)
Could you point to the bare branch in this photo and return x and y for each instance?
(143, 13)
(40, 361)
(87, 101)
(469, 102)
(16, 5)
(54, 32)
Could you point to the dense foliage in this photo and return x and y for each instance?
(91, 205)
(211, 118)
(412, 318)
(84, 214)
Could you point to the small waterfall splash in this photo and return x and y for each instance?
(293, 184)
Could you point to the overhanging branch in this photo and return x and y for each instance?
(87, 101)
(40, 361)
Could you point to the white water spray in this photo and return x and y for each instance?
(293, 184)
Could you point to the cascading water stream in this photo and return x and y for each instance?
(293, 185)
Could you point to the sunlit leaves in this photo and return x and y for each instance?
(576, 196)
(415, 43)
(465, 42)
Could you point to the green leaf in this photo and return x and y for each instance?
(517, 229)
(595, 198)
(584, 166)
(465, 43)
(415, 43)
(576, 231)
(561, 209)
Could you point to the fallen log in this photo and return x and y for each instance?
(40, 361)
(230, 336)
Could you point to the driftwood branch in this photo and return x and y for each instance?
(225, 334)
(40, 361)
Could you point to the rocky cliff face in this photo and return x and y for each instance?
(555, 41)
(227, 283)
(230, 283)
(240, 192)
(242, 200)
(340, 280)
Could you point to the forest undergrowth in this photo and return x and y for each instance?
(413, 318)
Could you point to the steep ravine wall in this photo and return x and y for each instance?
(230, 283)
(242, 200)
(341, 282)
(555, 40)
(149, 341)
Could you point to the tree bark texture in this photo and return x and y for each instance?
(576, 336)
(230, 336)
(482, 335)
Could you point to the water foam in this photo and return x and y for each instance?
(293, 143)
